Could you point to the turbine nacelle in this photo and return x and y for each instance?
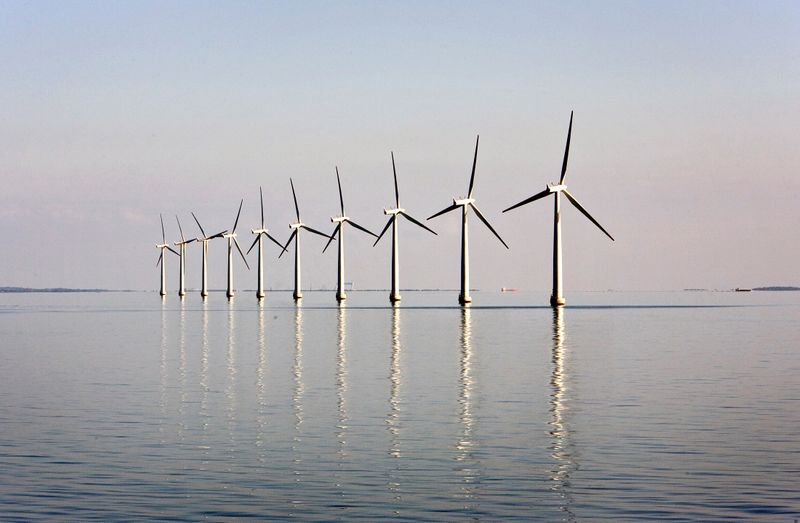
(229, 235)
(339, 219)
(390, 212)
(296, 225)
(463, 201)
(162, 246)
(554, 188)
(259, 231)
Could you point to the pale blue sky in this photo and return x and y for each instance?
(684, 143)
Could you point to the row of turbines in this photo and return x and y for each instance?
(464, 204)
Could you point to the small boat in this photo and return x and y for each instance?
(508, 289)
(742, 289)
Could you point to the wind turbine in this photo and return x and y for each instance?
(182, 246)
(557, 298)
(205, 239)
(163, 246)
(466, 204)
(340, 221)
(394, 296)
(231, 236)
(260, 233)
(296, 227)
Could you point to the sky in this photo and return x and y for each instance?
(684, 144)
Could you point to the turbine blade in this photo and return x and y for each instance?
(173, 251)
(279, 244)
(396, 191)
(486, 223)
(237, 216)
(533, 198)
(291, 237)
(445, 210)
(180, 228)
(261, 196)
(309, 229)
(241, 253)
(574, 202)
(163, 236)
(385, 228)
(357, 226)
(474, 163)
(296, 208)
(160, 257)
(566, 151)
(254, 243)
(412, 220)
(338, 181)
(198, 224)
(218, 235)
(339, 226)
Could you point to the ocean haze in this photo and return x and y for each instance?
(683, 142)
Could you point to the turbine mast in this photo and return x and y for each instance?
(557, 298)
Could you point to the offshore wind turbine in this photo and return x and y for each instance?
(163, 246)
(394, 295)
(466, 204)
(296, 227)
(205, 239)
(260, 233)
(340, 221)
(231, 236)
(557, 298)
(182, 246)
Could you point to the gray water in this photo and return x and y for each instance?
(681, 406)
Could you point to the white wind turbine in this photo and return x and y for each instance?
(260, 233)
(163, 246)
(205, 239)
(394, 295)
(340, 221)
(296, 227)
(557, 298)
(231, 236)
(466, 204)
(182, 246)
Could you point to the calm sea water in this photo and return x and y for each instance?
(634, 406)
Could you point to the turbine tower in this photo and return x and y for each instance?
(163, 246)
(231, 236)
(466, 204)
(182, 247)
(260, 233)
(340, 221)
(557, 298)
(394, 295)
(296, 227)
(205, 239)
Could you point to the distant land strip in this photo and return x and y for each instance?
(54, 289)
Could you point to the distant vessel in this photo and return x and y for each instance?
(508, 289)
(742, 289)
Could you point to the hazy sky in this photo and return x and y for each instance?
(685, 140)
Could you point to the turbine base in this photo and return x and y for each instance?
(394, 298)
(557, 301)
(260, 295)
(297, 295)
(463, 300)
(341, 297)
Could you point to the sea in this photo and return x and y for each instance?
(637, 406)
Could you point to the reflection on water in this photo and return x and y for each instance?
(182, 418)
(341, 383)
(163, 366)
(469, 467)
(297, 393)
(204, 414)
(393, 416)
(230, 390)
(261, 369)
(561, 446)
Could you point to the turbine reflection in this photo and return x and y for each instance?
(182, 424)
(341, 383)
(393, 416)
(465, 447)
(561, 447)
(163, 363)
(230, 390)
(261, 416)
(299, 389)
